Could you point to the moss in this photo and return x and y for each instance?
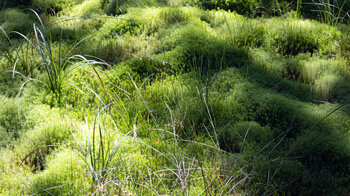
(180, 79)
(325, 155)
(195, 49)
(64, 174)
(245, 136)
(42, 140)
(172, 15)
(9, 22)
(302, 36)
(12, 121)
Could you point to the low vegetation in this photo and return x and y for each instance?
(189, 97)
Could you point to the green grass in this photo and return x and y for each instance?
(151, 98)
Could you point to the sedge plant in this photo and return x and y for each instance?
(299, 2)
(101, 144)
(56, 65)
(330, 13)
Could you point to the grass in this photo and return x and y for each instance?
(56, 65)
(331, 13)
(176, 100)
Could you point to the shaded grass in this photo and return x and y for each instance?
(195, 81)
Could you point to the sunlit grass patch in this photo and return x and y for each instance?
(194, 49)
(65, 172)
(12, 120)
(13, 179)
(83, 8)
(174, 100)
(41, 141)
(293, 36)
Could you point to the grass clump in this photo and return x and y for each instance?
(240, 6)
(9, 21)
(11, 121)
(320, 79)
(240, 31)
(327, 166)
(56, 63)
(248, 136)
(302, 37)
(64, 174)
(130, 27)
(193, 102)
(172, 15)
(41, 141)
(194, 49)
(332, 12)
(295, 42)
(251, 36)
(284, 116)
(13, 179)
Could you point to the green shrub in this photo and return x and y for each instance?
(327, 78)
(57, 63)
(112, 7)
(68, 35)
(183, 95)
(237, 30)
(171, 89)
(191, 116)
(85, 9)
(227, 80)
(339, 120)
(6, 81)
(76, 92)
(307, 77)
(330, 87)
(230, 97)
(3, 136)
(325, 10)
(136, 22)
(245, 7)
(119, 7)
(118, 79)
(240, 6)
(273, 8)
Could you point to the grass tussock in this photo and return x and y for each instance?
(174, 97)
